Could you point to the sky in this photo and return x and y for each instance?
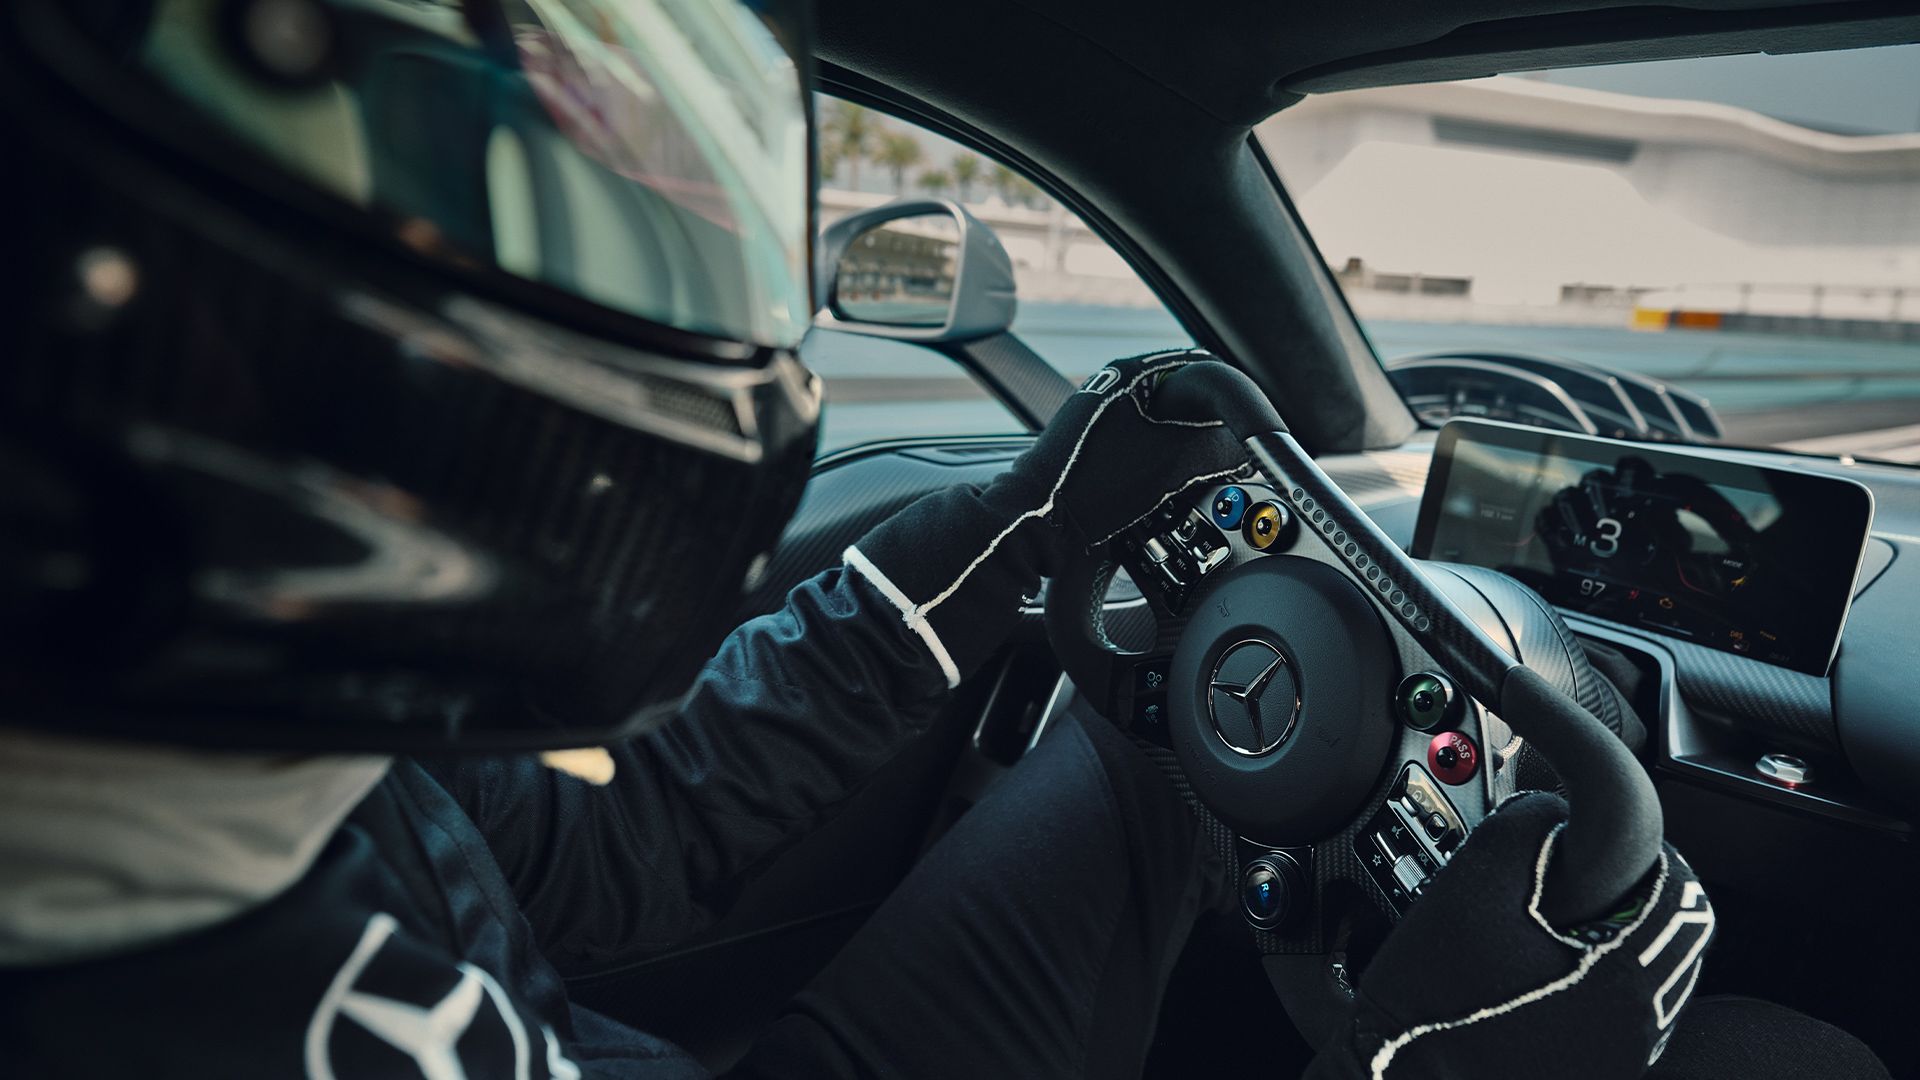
(1858, 92)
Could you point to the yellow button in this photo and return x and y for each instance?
(1263, 525)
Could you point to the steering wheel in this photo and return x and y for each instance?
(1329, 699)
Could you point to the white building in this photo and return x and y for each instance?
(1527, 188)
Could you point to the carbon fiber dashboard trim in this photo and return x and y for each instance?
(1725, 757)
(1763, 698)
(1540, 638)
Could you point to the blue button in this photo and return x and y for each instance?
(1264, 894)
(1229, 507)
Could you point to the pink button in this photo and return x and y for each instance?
(1453, 757)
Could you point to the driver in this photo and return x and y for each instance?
(398, 389)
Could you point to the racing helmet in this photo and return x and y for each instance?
(394, 374)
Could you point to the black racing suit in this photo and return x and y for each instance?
(432, 935)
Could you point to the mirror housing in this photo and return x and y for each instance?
(970, 297)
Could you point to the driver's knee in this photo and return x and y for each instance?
(1743, 1038)
(1034, 939)
(1162, 837)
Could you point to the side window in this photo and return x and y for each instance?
(1080, 304)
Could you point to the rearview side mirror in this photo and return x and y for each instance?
(920, 270)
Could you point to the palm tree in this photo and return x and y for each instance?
(935, 181)
(1003, 180)
(898, 153)
(852, 129)
(966, 169)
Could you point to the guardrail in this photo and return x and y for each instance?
(1861, 313)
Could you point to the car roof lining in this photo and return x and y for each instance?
(1241, 60)
(1621, 35)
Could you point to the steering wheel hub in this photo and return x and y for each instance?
(1280, 710)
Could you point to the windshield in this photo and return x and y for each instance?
(1745, 229)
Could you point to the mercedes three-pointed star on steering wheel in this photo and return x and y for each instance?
(1247, 694)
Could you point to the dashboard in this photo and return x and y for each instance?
(1718, 711)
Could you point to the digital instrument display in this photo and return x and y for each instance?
(1749, 559)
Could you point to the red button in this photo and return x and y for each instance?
(1453, 757)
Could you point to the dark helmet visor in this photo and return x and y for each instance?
(263, 483)
(648, 155)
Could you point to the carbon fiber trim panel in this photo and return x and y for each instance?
(1539, 636)
(1329, 863)
(1017, 375)
(1219, 837)
(1332, 863)
(1335, 871)
(1760, 697)
(1130, 627)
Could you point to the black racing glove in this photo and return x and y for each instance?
(1473, 983)
(959, 563)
